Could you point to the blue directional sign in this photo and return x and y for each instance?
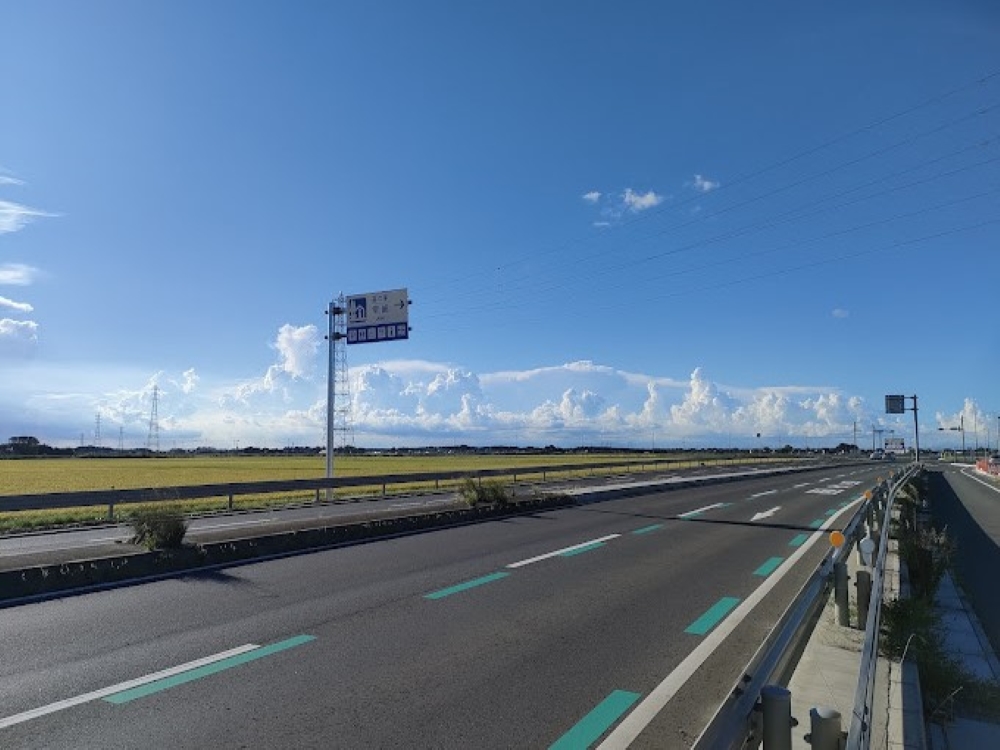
(378, 316)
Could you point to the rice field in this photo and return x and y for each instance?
(72, 474)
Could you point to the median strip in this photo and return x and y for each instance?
(457, 588)
(590, 728)
(713, 616)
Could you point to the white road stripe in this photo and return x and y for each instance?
(762, 494)
(633, 724)
(700, 510)
(52, 708)
(530, 560)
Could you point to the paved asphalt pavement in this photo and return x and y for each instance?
(534, 631)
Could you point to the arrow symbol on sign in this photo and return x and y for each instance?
(766, 513)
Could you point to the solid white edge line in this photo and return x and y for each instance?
(547, 555)
(52, 708)
(644, 713)
(982, 482)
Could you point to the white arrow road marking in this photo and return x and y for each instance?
(766, 513)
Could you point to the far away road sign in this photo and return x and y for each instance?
(895, 404)
(378, 316)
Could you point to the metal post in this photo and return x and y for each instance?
(840, 592)
(824, 728)
(916, 429)
(330, 395)
(863, 582)
(776, 704)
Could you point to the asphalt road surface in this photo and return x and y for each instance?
(615, 621)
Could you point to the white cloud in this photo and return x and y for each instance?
(8, 180)
(14, 216)
(18, 306)
(592, 197)
(602, 223)
(636, 202)
(18, 330)
(17, 274)
(841, 313)
(298, 347)
(704, 185)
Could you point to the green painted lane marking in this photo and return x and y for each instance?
(466, 586)
(769, 567)
(590, 728)
(817, 523)
(832, 512)
(712, 617)
(798, 541)
(648, 529)
(209, 669)
(581, 550)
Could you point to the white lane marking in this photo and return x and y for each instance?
(762, 494)
(700, 510)
(564, 550)
(208, 527)
(766, 513)
(633, 724)
(52, 708)
(800, 486)
(982, 482)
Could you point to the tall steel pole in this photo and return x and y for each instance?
(330, 391)
(916, 429)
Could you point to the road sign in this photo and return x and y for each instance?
(378, 316)
(895, 445)
(895, 404)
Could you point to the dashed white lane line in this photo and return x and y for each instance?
(52, 708)
(563, 551)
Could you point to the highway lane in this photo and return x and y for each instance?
(968, 505)
(505, 634)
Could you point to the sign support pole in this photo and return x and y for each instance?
(330, 393)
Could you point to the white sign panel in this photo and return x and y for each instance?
(378, 316)
(895, 445)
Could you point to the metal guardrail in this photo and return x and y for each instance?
(738, 722)
(114, 497)
(859, 734)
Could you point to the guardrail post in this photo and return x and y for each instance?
(230, 501)
(776, 704)
(317, 495)
(824, 728)
(111, 511)
(864, 586)
(840, 592)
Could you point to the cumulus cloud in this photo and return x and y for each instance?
(840, 313)
(592, 197)
(704, 185)
(636, 202)
(297, 347)
(17, 274)
(8, 180)
(10, 304)
(19, 330)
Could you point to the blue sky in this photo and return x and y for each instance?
(635, 224)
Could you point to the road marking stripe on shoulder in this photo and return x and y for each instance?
(769, 566)
(190, 675)
(797, 541)
(458, 587)
(712, 616)
(632, 725)
(762, 494)
(52, 708)
(648, 529)
(589, 729)
(563, 551)
(581, 550)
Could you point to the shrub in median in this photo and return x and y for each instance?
(491, 491)
(159, 528)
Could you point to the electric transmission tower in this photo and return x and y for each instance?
(97, 430)
(153, 438)
(343, 423)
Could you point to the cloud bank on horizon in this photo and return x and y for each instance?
(406, 403)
